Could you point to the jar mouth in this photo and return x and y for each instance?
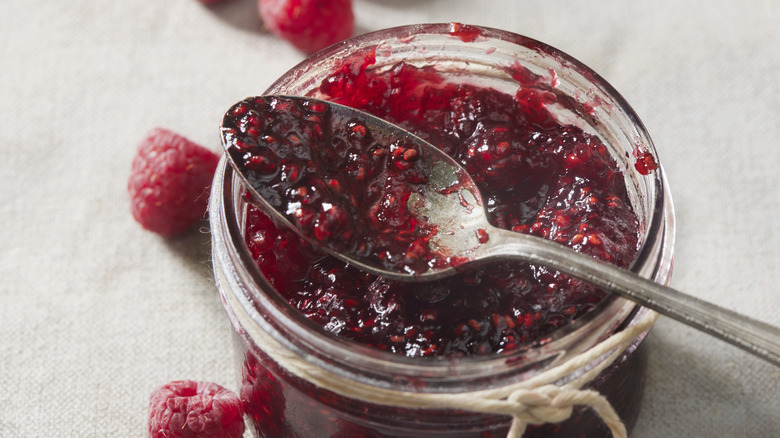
(305, 338)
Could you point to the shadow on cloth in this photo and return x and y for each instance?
(193, 247)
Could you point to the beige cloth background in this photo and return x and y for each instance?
(95, 312)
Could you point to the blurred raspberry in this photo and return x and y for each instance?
(187, 409)
(169, 182)
(310, 25)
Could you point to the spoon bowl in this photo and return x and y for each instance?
(447, 213)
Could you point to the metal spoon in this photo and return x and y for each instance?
(464, 238)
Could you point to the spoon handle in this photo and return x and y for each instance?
(755, 337)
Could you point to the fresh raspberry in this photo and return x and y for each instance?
(169, 182)
(188, 409)
(310, 25)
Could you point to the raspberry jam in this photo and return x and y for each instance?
(334, 177)
(538, 152)
(537, 176)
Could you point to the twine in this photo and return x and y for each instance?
(537, 400)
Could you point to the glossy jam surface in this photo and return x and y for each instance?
(536, 176)
(333, 176)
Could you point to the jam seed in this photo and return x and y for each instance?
(562, 220)
(482, 235)
(359, 129)
(509, 321)
(594, 239)
(428, 315)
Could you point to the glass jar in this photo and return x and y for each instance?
(287, 364)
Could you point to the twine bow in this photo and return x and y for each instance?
(554, 404)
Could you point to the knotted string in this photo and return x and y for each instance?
(555, 404)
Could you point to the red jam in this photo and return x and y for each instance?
(340, 183)
(536, 175)
(465, 32)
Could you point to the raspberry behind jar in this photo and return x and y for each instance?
(309, 25)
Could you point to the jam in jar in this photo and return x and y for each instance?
(556, 153)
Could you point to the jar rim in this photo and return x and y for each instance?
(345, 357)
